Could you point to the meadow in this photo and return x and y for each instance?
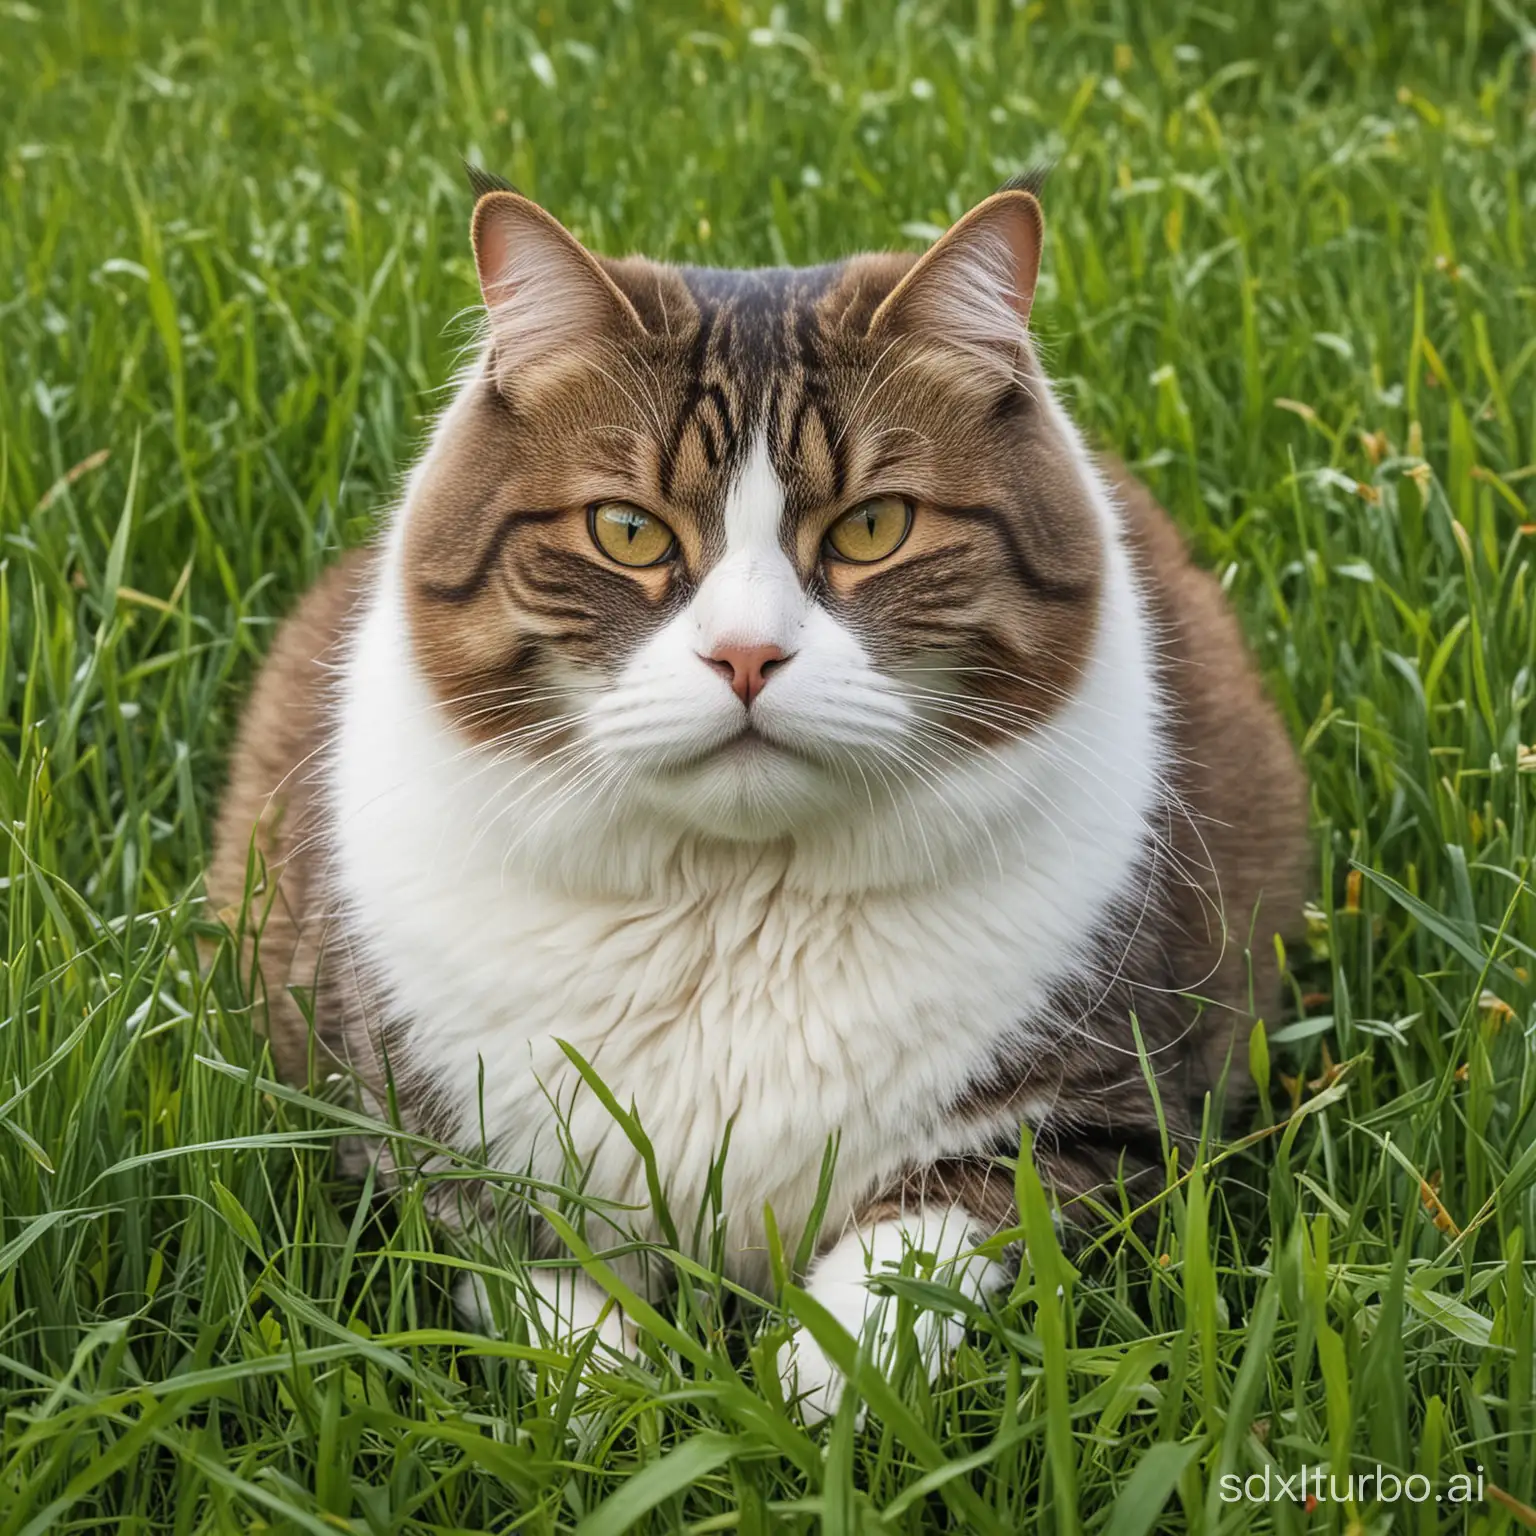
(1290, 276)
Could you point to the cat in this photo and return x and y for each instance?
(760, 688)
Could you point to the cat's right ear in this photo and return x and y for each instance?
(547, 297)
(973, 288)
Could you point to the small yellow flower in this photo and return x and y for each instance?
(1375, 445)
(1429, 1194)
(1495, 1007)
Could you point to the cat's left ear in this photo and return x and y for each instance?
(974, 286)
(547, 296)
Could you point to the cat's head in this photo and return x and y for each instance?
(754, 549)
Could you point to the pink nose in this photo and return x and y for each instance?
(745, 667)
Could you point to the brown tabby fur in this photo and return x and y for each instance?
(1000, 573)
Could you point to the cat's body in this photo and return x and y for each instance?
(893, 865)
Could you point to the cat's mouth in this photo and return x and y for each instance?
(748, 745)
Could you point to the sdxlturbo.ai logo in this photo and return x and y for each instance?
(1313, 1486)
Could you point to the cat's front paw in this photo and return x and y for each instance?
(811, 1380)
(566, 1305)
(839, 1281)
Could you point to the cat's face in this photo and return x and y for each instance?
(753, 549)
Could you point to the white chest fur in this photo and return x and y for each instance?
(847, 986)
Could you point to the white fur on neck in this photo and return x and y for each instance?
(849, 983)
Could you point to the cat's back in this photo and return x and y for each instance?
(1234, 752)
(273, 804)
(1239, 828)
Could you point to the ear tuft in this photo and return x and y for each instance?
(547, 296)
(482, 181)
(1031, 179)
(973, 287)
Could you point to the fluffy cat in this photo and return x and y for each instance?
(760, 688)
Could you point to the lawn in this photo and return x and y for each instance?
(1290, 276)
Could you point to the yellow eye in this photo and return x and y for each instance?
(873, 530)
(630, 534)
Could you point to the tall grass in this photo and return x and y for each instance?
(1289, 277)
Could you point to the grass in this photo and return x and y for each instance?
(1291, 276)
